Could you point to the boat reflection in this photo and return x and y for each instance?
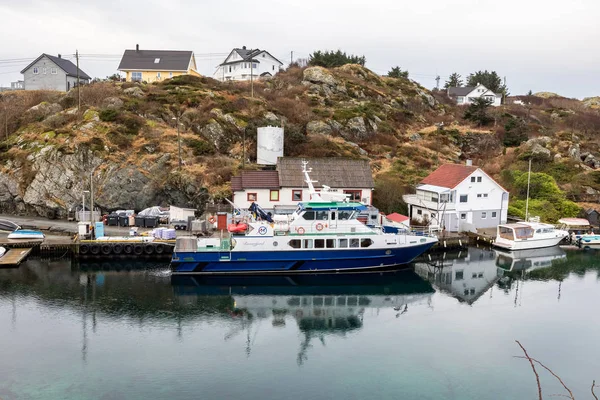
(529, 260)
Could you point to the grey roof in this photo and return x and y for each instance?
(247, 55)
(66, 65)
(335, 172)
(169, 60)
(460, 91)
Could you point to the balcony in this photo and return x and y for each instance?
(419, 201)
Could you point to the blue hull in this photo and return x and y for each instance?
(254, 262)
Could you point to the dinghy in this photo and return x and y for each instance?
(2, 251)
(6, 225)
(26, 234)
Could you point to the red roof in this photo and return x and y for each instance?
(399, 218)
(449, 175)
(255, 180)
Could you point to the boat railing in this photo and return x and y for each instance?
(431, 231)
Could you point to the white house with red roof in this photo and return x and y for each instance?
(399, 220)
(459, 198)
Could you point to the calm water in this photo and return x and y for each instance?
(442, 330)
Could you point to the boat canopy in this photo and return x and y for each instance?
(570, 222)
(332, 206)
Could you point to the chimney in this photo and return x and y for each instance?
(244, 47)
(59, 56)
(137, 48)
(469, 163)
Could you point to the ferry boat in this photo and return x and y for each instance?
(528, 235)
(322, 235)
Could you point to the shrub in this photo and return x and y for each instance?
(108, 114)
(199, 147)
(131, 123)
(330, 59)
(515, 132)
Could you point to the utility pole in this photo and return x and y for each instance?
(437, 82)
(78, 88)
(251, 78)
(244, 150)
(92, 197)
(292, 57)
(504, 92)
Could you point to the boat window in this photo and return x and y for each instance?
(343, 243)
(295, 243)
(524, 233)
(366, 242)
(319, 243)
(309, 215)
(328, 301)
(318, 301)
(330, 243)
(294, 301)
(352, 301)
(506, 233)
(344, 215)
(354, 243)
(538, 231)
(308, 243)
(332, 216)
(322, 215)
(363, 301)
(341, 301)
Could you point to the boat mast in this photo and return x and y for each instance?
(314, 195)
(527, 201)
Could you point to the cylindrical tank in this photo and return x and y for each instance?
(269, 145)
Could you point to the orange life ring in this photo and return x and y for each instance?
(319, 226)
(212, 219)
(301, 231)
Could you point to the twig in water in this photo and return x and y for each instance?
(553, 374)
(537, 377)
(593, 385)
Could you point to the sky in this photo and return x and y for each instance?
(538, 45)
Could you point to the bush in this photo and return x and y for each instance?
(131, 123)
(515, 132)
(108, 114)
(330, 59)
(199, 147)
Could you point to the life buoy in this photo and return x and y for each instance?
(319, 226)
(212, 219)
(301, 231)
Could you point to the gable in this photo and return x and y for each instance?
(65, 65)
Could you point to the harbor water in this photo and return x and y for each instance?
(444, 328)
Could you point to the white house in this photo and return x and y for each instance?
(282, 189)
(465, 95)
(459, 198)
(242, 64)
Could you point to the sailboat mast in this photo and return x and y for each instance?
(527, 201)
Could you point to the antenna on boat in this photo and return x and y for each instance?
(527, 201)
(314, 195)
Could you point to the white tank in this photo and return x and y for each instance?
(269, 145)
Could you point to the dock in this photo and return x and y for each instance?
(14, 257)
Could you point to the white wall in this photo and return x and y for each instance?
(238, 72)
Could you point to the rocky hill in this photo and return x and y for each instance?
(124, 137)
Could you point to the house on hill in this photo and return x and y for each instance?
(459, 198)
(244, 64)
(52, 73)
(281, 190)
(466, 95)
(156, 65)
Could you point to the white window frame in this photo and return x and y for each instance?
(472, 179)
(45, 70)
(485, 195)
(135, 75)
(53, 71)
(158, 75)
(36, 70)
(156, 60)
(466, 196)
(494, 214)
(170, 74)
(478, 179)
(484, 215)
(463, 216)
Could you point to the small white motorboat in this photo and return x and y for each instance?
(2, 251)
(589, 240)
(26, 234)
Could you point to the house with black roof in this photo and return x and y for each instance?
(246, 64)
(141, 65)
(466, 94)
(52, 73)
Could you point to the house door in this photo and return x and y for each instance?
(68, 86)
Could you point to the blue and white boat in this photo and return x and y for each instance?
(323, 235)
(26, 234)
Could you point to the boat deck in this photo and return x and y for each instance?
(14, 257)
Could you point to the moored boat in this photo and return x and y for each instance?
(6, 225)
(528, 235)
(26, 234)
(2, 251)
(323, 235)
(528, 259)
(589, 240)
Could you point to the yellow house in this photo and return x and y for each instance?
(156, 65)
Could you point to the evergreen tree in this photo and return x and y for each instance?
(455, 80)
(330, 59)
(477, 111)
(397, 72)
(490, 80)
(530, 93)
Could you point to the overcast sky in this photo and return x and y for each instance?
(542, 45)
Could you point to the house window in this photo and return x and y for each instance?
(355, 195)
(485, 195)
(36, 70)
(45, 70)
(419, 212)
(230, 68)
(254, 65)
(158, 75)
(296, 195)
(472, 179)
(263, 55)
(252, 197)
(156, 60)
(53, 71)
(460, 99)
(478, 179)
(494, 214)
(273, 68)
(136, 76)
(170, 74)
(463, 216)
(464, 198)
(478, 195)
(274, 195)
(483, 215)
(459, 275)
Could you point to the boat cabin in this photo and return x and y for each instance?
(515, 232)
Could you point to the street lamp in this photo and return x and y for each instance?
(178, 139)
